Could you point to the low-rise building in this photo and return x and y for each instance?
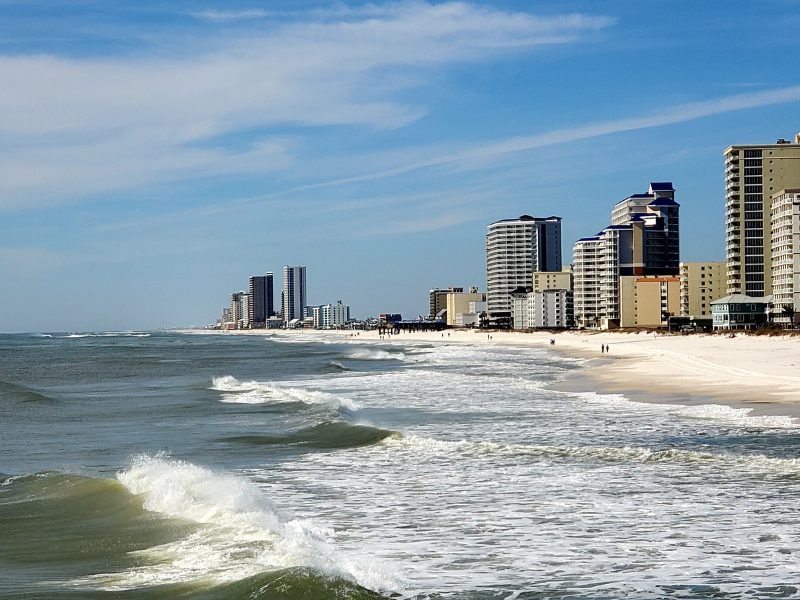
(331, 316)
(739, 311)
(437, 299)
(544, 309)
(648, 301)
(472, 318)
(458, 303)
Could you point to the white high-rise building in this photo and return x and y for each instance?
(294, 296)
(589, 268)
(329, 316)
(785, 235)
(515, 250)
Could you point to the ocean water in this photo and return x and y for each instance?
(176, 465)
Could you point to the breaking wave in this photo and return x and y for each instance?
(256, 392)
(240, 534)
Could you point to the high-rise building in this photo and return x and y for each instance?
(294, 293)
(588, 265)
(785, 234)
(515, 250)
(701, 284)
(642, 241)
(260, 288)
(753, 173)
(240, 309)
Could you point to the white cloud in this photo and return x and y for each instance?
(230, 15)
(77, 126)
(491, 151)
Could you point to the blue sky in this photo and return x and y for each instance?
(153, 155)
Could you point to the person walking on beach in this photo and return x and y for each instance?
(602, 348)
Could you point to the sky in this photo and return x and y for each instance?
(154, 155)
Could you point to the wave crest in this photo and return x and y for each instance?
(257, 392)
(240, 532)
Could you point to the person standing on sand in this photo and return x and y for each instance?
(602, 348)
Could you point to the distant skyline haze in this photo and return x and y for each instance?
(154, 156)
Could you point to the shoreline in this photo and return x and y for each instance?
(755, 372)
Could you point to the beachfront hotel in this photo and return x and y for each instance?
(293, 297)
(753, 174)
(515, 250)
(617, 271)
(701, 283)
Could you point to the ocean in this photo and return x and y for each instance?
(212, 466)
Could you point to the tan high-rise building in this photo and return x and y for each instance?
(702, 283)
(753, 173)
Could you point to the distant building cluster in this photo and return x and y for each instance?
(627, 275)
(255, 308)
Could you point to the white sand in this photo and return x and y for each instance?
(757, 369)
(743, 368)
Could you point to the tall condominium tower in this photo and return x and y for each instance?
(515, 250)
(261, 291)
(642, 241)
(753, 173)
(294, 293)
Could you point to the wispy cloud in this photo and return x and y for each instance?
(76, 126)
(667, 116)
(230, 15)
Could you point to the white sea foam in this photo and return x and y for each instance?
(257, 392)
(714, 412)
(239, 532)
(107, 334)
(750, 463)
(374, 354)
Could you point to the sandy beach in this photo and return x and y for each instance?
(756, 371)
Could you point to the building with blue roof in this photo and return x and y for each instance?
(642, 241)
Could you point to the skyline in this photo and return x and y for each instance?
(171, 150)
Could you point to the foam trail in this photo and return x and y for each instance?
(256, 392)
(240, 532)
(714, 412)
(752, 463)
